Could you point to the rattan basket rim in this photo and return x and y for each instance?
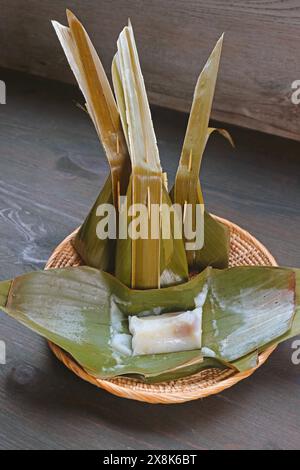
(200, 385)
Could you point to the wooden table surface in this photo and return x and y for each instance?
(51, 169)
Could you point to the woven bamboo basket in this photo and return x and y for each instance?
(244, 250)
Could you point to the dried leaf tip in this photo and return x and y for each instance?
(70, 16)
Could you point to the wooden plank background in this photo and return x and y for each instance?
(260, 57)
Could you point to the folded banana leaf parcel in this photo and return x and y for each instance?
(159, 306)
(220, 318)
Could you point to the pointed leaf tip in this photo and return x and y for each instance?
(71, 17)
(223, 132)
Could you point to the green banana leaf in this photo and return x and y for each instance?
(76, 309)
(119, 93)
(165, 259)
(232, 336)
(84, 310)
(187, 189)
(151, 261)
(295, 329)
(102, 108)
(296, 323)
(94, 251)
(186, 371)
(146, 178)
(215, 251)
(173, 262)
(101, 105)
(246, 363)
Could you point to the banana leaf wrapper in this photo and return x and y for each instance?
(182, 372)
(96, 252)
(187, 189)
(173, 268)
(102, 108)
(82, 309)
(147, 261)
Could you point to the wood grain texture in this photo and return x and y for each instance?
(51, 168)
(260, 59)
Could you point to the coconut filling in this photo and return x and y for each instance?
(167, 333)
(121, 343)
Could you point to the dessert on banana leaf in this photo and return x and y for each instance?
(225, 318)
(132, 310)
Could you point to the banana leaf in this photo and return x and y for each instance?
(119, 93)
(103, 111)
(173, 263)
(250, 361)
(76, 309)
(272, 298)
(186, 371)
(146, 261)
(187, 189)
(165, 259)
(84, 311)
(295, 329)
(95, 251)
(102, 107)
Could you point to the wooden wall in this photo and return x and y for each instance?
(260, 60)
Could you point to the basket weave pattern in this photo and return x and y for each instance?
(244, 250)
